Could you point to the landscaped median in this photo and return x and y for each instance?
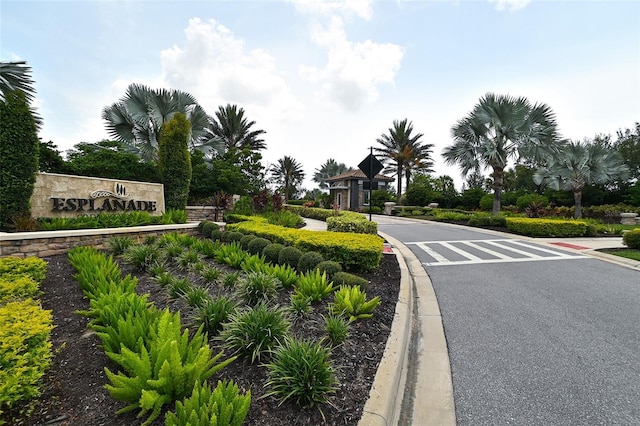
(353, 251)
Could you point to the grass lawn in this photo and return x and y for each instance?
(628, 253)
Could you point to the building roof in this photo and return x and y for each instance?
(358, 174)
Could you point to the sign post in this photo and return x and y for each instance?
(370, 166)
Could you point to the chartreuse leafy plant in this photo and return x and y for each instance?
(13, 287)
(352, 303)
(286, 274)
(224, 406)
(314, 285)
(534, 227)
(25, 351)
(301, 371)
(32, 267)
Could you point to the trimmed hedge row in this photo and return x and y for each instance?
(25, 329)
(353, 251)
(353, 223)
(547, 227)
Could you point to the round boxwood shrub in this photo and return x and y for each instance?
(257, 245)
(216, 235)
(232, 236)
(244, 241)
(632, 239)
(345, 278)
(289, 256)
(208, 227)
(309, 260)
(271, 252)
(329, 267)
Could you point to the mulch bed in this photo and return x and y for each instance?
(73, 392)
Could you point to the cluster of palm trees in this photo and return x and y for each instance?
(136, 120)
(502, 128)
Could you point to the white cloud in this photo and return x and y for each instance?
(510, 4)
(346, 8)
(215, 66)
(353, 70)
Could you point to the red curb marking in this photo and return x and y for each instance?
(387, 249)
(572, 246)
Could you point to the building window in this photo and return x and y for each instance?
(366, 197)
(339, 199)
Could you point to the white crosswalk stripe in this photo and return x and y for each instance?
(467, 252)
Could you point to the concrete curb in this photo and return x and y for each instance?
(417, 335)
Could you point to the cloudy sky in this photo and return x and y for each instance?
(324, 79)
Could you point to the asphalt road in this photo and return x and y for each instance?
(536, 336)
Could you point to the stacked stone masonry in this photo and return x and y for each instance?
(44, 244)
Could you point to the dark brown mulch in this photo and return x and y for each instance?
(74, 393)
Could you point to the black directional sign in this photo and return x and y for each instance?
(371, 166)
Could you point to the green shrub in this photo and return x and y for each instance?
(329, 267)
(353, 251)
(213, 313)
(222, 407)
(230, 279)
(309, 261)
(314, 285)
(174, 160)
(258, 287)
(196, 296)
(526, 200)
(17, 287)
(25, 351)
(142, 256)
(290, 256)
(498, 221)
(301, 372)
(255, 331)
(19, 147)
(207, 227)
(300, 305)
(245, 240)
(216, 235)
(210, 274)
(355, 223)
(232, 236)
(486, 202)
(336, 328)
(352, 303)
(285, 218)
(546, 227)
(118, 245)
(232, 255)
(311, 212)
(286, 274)
(257, 245)
(347, 279)
(33, 267)
(632, 239)
(271, 252)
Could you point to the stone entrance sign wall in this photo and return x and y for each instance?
(57, 195)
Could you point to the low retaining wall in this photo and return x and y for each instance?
(200, 213)
(49, 243)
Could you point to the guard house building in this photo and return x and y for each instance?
(350, 190)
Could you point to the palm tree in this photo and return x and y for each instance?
(578, 164)
(329, 169)
(137, 117)
(501, 128)
(287, 173)
(16, 76)
(232, 128)
(419, 161)
(403, 152)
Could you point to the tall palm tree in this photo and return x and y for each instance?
(287, 173)
(403, 151)
(329, 169)
(578, 164)
(16, 76)
(501, 128)
(419, 161)
(137, 117)
(231, 127)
